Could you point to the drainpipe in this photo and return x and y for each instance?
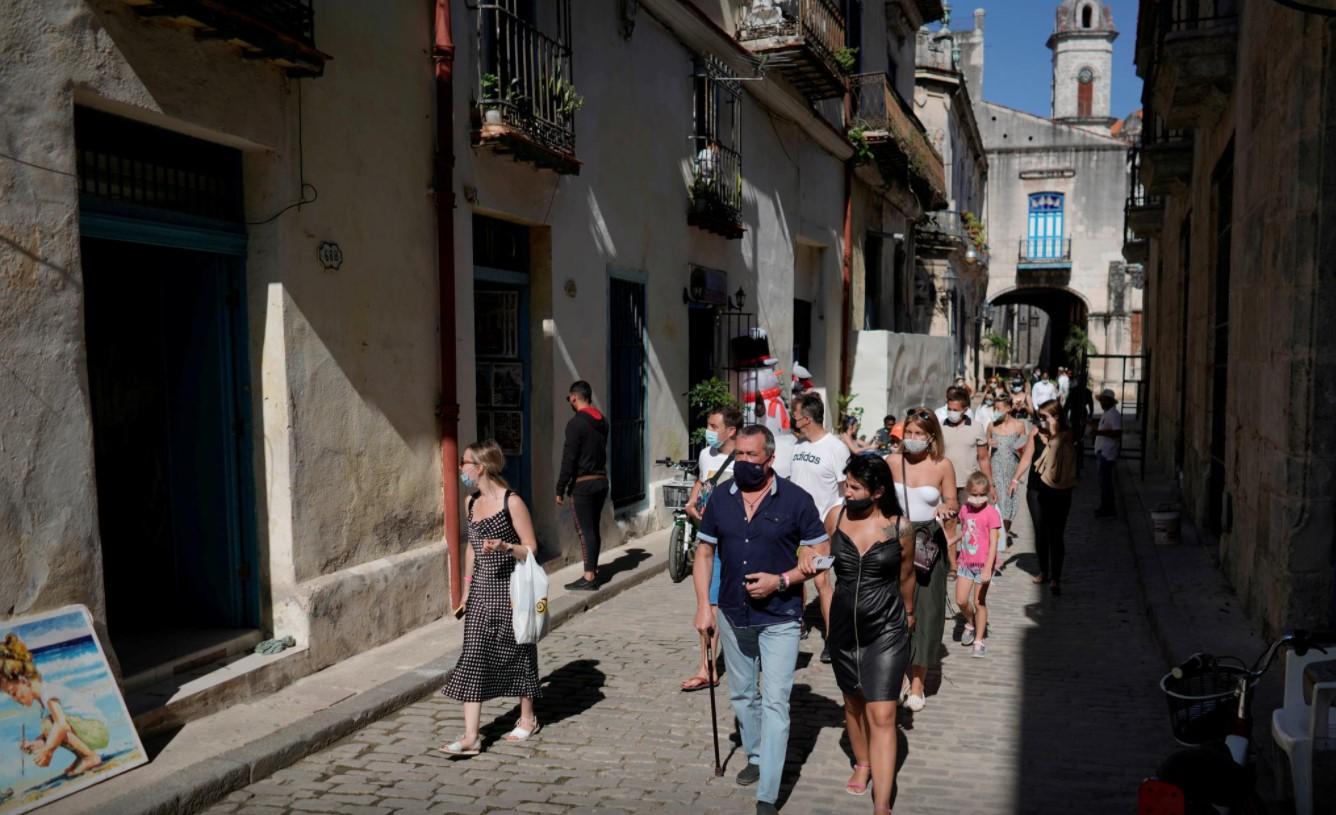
(443, 60)
(847, 260)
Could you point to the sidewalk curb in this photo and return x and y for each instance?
(207, 782)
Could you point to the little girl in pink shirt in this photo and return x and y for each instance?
(980, 526)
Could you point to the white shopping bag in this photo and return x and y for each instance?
(528, 600)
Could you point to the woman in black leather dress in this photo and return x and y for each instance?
(870, 619)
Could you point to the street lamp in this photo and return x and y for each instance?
(971, 254)
(739, 299)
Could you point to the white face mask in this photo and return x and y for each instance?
(916, 445)
(953, 416)
(977, 500)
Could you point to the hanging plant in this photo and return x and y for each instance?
(857, 135)
(846, 58)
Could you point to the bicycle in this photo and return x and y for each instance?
(682, 542)
(1210, 711)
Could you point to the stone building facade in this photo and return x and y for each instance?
(218, 253)
(1056, 188)
(952, 248)
(1238, 212)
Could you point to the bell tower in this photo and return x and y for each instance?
(1082, 46)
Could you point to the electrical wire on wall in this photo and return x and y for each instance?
(302, 200)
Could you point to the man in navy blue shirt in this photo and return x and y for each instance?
(758, 520)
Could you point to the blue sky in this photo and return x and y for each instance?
(1017, 68)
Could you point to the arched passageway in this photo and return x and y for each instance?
(1037, 321)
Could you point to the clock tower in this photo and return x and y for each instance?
(1082, 46)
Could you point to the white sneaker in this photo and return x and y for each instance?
(904, 690)
(980, 648)
(914, 703)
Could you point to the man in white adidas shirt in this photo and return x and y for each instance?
(819, 459)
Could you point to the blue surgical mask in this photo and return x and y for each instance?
(711, 438)
(469, 483)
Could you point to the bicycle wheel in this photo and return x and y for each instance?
(678, 567)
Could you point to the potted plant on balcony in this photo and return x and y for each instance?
(846, 58)
(491, 87)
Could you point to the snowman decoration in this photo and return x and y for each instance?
(763, 395)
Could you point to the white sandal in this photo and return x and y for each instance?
(459, 748)
(520, 733)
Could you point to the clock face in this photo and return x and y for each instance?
(1086, 76)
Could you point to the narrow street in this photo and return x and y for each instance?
(1064, 715)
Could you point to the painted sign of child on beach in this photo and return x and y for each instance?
(63, 723)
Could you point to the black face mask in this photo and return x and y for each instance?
(749, 475)
(859, 507)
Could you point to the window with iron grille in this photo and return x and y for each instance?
(138, 169)
(716, 140)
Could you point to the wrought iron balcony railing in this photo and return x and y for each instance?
(801, 38)
(282, 31)
(716, 191)
(526, 99)
(896, 138)
(1045, 250)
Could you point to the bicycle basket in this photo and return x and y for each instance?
(676, 493)
(1203, 704)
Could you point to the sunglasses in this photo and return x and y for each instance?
(918, 413)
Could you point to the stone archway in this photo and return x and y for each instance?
(1038, 320)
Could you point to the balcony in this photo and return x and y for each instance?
(1166, 160)
(1195, 64)
(885, 130)
(1143, 214)
(800, 39)
(281, 31)
(716, 192)
(1045, 252)
(526, 101)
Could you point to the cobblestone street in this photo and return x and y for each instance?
(1064, 715)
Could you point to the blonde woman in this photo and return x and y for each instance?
(491, 663)
(925, 484)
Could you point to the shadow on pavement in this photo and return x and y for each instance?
(809, 713)
(568, 691)
(627, 561)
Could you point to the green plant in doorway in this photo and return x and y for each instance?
(842, 405)
(1000, 346)
(704, 398)
(1078, 347)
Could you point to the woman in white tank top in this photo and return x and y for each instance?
(925, 483)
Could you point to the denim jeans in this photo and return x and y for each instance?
(763, 715)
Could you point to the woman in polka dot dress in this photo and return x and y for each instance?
(492, 664)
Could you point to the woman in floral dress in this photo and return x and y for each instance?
(1006, 437)
(491, 663)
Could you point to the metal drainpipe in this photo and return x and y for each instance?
(847, 261)
(443, 61)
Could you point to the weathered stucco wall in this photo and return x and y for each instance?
(343, 364)
(626, 211)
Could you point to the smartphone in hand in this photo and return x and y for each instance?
(823, 562)
(459, 612)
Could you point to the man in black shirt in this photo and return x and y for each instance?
(584, 477)
(1079, 408)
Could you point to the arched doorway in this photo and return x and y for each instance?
(1036, 322)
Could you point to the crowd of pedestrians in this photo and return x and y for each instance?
(882, 527)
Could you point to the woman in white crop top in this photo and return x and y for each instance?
(925, 483)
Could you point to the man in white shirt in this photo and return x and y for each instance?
(1108, 442)
(714, 467)
(819, 459)
(1064, 384)
(1043, 391)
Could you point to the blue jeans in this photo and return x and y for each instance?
(763, 716)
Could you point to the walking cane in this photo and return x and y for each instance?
(714, 716)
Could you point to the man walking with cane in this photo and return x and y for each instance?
(757, 521)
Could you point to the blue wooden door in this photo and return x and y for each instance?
(1045, 237)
